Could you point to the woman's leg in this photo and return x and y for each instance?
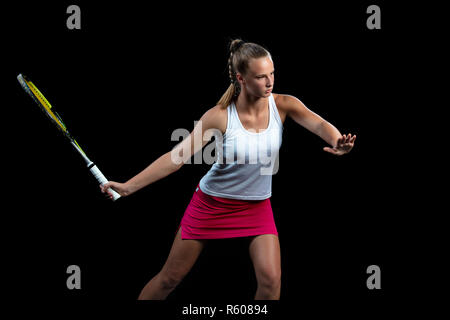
(182, 257)
(265, 255)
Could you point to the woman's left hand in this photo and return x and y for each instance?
(344, 145)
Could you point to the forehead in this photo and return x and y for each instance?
(260, 65)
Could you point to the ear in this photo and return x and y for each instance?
(240, 78)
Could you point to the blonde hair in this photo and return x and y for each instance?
(240, 54)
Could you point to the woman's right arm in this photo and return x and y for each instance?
(173, 160)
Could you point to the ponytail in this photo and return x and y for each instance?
(227, 97)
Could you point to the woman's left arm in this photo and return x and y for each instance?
(341, 144)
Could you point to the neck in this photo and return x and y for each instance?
(251, 104)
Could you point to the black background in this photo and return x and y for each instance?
(133, 74)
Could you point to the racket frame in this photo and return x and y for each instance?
(54, 117)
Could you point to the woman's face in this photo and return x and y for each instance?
(259, 79)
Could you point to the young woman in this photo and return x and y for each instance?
(233, 198)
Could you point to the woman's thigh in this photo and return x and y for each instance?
(182, 256)
(265, 255)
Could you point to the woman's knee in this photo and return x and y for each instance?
(270, 279)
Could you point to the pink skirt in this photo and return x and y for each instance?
(210, 217)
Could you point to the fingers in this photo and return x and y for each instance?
(105, 188)
(350, 138)
(346, 141)
(346, 138)
(350, 141)
(343, 145)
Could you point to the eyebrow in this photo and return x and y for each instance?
(259, 75)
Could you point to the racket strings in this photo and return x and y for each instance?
(47, 106)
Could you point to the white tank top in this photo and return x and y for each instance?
(245, 159)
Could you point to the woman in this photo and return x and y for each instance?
(233, 198)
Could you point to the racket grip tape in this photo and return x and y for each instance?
(102, 180)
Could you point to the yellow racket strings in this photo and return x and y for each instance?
(44, 102)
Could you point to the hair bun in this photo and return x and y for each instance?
(236, 44)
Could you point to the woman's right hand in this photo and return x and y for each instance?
(121, 188)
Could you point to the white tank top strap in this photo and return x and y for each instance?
(275, 112)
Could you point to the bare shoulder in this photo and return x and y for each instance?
(215, 118)
(284, 103)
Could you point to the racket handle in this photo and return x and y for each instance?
(102, 180)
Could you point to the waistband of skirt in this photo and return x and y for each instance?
(226, 200)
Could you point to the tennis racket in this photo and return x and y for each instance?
(45, 106)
